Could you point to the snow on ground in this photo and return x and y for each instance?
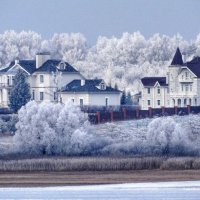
(188, 190)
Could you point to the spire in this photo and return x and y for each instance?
(177, 60)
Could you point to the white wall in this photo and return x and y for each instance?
(154, 96)
(99, 99)
(92, 99)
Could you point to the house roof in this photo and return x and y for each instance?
(89, 86)
(51, 65)
(194, 66)
(151, 81)
(177, 59)
(48, 66)
(28, 65)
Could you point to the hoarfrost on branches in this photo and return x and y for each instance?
(49, 128)
(122, 61)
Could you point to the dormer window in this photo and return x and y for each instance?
(62, 66)
(102, 86)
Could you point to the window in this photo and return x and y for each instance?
(158, 102)
(33, 95)
(62, 65)
(195, 102)
(8, 80)
(41, 78)
(148, 90)
(186, 88)
(186, 75)
(182, 88)
(55, 97)
(72, 100)
(41, 96)
(191, 87)
(106, 101)
(182, 76)
(12, 80)
(179, 102)
(190, 102)
(148, 102)
(81, 102)
(185, 102)
(102, 86)
(158, 90)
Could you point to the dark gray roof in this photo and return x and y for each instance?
(151, 81)
(28, 65)
(177, 60)
(43, 53)
(89, 86)
(194, 66)
(51, 65)
(48, 66)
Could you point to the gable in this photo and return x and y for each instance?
(186, 73)
(15, 68)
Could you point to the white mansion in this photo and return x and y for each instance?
(180, 87)
(56, 80)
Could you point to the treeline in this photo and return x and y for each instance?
(122, 61)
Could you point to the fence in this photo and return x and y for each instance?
(124, 113)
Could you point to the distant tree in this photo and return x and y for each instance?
(116, 86)
(129, 100)
(20, 93)
(123, 98)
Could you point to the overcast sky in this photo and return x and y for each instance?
(102, 17)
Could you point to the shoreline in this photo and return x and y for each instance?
(76, 178)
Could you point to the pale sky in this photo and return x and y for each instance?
(102, 17)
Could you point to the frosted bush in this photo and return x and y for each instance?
(49, 128)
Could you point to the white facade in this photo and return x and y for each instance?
(154, 97)
(92, 99)
(47, 77)
(44, 85)
(181, 87)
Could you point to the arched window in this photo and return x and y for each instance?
(190, 101)
(62, 66)
(179, 102)
(185, 102)
(173, 102)
(195, 102)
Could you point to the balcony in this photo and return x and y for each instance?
(185, 80)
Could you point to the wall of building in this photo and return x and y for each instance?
(74, 97)
(92, 99)
(100, 99)
(154, 97)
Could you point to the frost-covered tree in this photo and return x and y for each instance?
(123, 98)
(20, 92)
(129, 100)
(41, 133)
(125, 59)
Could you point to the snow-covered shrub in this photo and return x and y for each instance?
(7, 124)
(49, 128)
(170, 136)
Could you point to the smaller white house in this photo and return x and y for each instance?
(90, 93)
(154, 92)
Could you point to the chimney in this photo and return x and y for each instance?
(41, 58)
(16, 61)
(82, 82)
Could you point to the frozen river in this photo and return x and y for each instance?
(188, 190)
